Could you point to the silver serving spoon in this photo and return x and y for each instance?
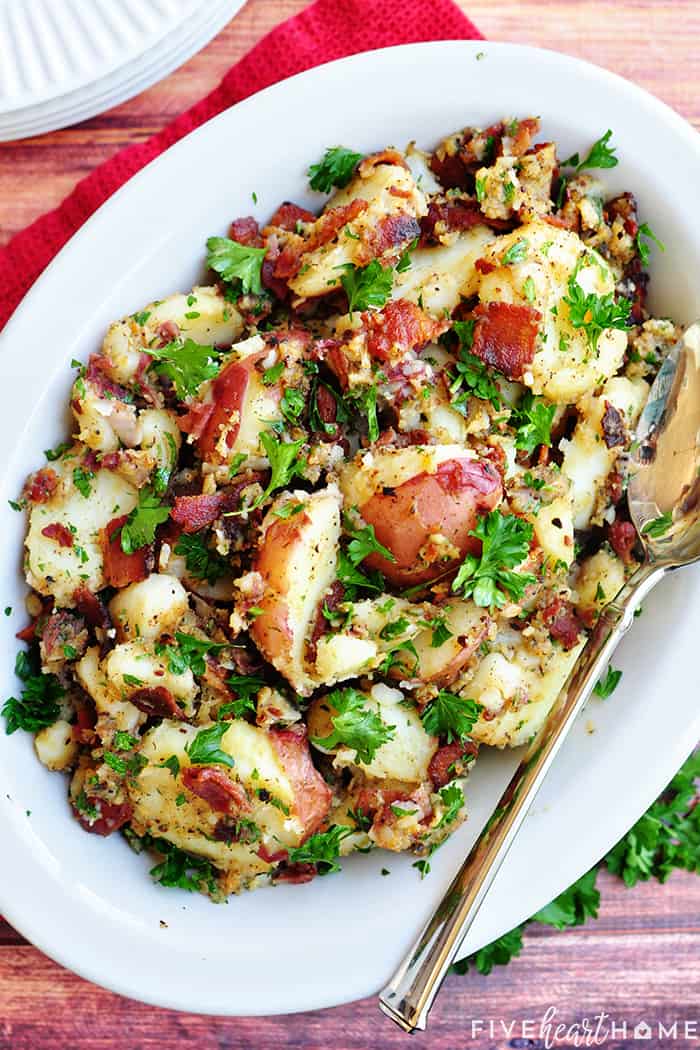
(664, 502)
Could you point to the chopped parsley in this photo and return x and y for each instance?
(321, 849)
(452, 798)
(450, 716)
(355, 725)
(366, 401)
(516, 253)
(600, 155)
(532, 419)
(643, 246)
(335, 169)
(366, 286)
(441, 632)
(607, 685)
(189, 653)
(139, 529)
(271, 375)
(82, 479)
(181, 870)
(204, 749)
(236, 263)
(52, 454)
(186, 363)
(488, 578)
(363, 542)
(202, 562)
(471, 376)
(595, 313)
(38, 705)
(284, 463)
(657, 527)
(172, 763)
(246, 688)
(292, 405)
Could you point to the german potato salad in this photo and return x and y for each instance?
(339, 518)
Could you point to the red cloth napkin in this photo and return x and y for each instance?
(326, 30)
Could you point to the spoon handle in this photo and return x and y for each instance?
(410, 993)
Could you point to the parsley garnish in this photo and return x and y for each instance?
(487, 579)
(366, 400)
(607, 685)
(186, 364)
(180, 869)
(453, 799)
(190, 652)
(172, 763)
(441, 632)
(82, 479)
(321, 849)
(658, 526)
(271, 375)
(516, 253)
(471, 376)
(532, 418)
(600, 155)
(335, 169)
(236, 262)
(201, 561)
(292, 404)
(450, 716)
(498, 953)
(594, 313)
(246, 688)
(572, 907)
(52, 454)
(139, 529)
(38, 705)
(642, 246)
(351, 577)
(355, 725)
(284, 463)
(204, 750)
(404, 262)
(363, 542)
(366, 286)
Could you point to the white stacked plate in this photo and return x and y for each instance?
(62, 61)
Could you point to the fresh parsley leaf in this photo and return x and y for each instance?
(366, 400)
(658, 526)
(202, 562)
(366, 286)
(139, 529)
(355, 725)
(532, 418)
(271, 375)
(321, 849)
(237, 263)
(450, 716)
(115, 762)
(192, 652)
(38, 704)
(204, 750)
(335, 169)
(186, 364)
(594, 313)
(393, 658)
(471, 376)
(292, 404)
(441, 632)
(82, 479)
(284, 463)
(404, 262)
(453, 799)
(572, 907)
(52, 454)
(498, 953)
(352, 578)
(600, 155)
(124, 741)
(505, 543)
(423, 866)
(607, 685)
(246, 688)
(180, 869)
(643, 246)
(516, 253)
(363, 542)
(172, 763)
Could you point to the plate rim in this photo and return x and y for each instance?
(685, 742)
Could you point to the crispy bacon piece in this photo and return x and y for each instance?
(484, 266)
(324, 230)
(96, 376)
(296, 873)
(399, 327)
(451, 761)
(246, 231)
(121, 569)
(217, 789)
(623, 537)
(312, 796)
(455, 214)
(92, 608)
(386, 156)
(271, 857)
(112, 816)
(613, 425)
(521, 136)
(391, 232)
(40, 486)
(562, 622)
(60, 533)
(62, 628)
(193, 513)
(157, 702)
(505, 336)
(288, 215)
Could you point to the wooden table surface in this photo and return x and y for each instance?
(641, 959)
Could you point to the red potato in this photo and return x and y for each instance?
(468, 626)
(296, 559)
(423, 516)
(312, 796)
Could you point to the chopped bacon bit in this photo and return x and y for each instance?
(215, 787)
(386, 156)
(228, 392)
(391, 232)
(401, 326)
(522, 136)
(505, 336)
(168, 331)
(396, 191)
(484, 266)
(62, 628)
(246, 231)
(112, 816)
(60, 533)
(271, 857)
(288, 215)
(194, 421)
(28, 633)
(92, 608)
(326, 227)
(312, 796)
(450, 761)
(338, 364)
(196, 512)
(156, 701)
(296, 873)
(563, 623)
(41, 486)
(121, 569)
(457, 214)
(613, 425)
(105, 387)
(623, 537)
(288, 262)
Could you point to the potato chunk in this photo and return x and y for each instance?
(150, 608)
